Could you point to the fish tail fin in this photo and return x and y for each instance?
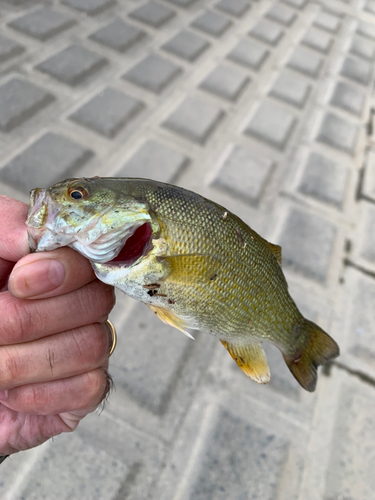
(318, 349)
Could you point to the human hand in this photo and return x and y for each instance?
(54, 343)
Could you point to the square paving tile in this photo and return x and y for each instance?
(72, 65)
(366, 29)
(291, 89)
(272, 124)
(348, 97)
(186, 45)
(9, 48)
(91, 7)
(305, 62)
(338, 133)
(370, 6)
(194, 119)
(118, 35)
(42, 23)
(20, 100)
(249, 54)
(51, 158)
(297, 4)
(317, 40)
(225, 82)
(282, 14)
(327, 22)
(212, 24)
(153, 14)
(356, 70)
(182, 3)
(108, 112)
(267, 32)
(363, 47)
(235, 8)
(154, 73)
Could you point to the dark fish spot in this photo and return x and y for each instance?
(152, 286)
(213, 277)
(170, 301)
(160, 294)
(239, 236)
(151, 293)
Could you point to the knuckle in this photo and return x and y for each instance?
(10, 368)
(96, 382)
(92, 342)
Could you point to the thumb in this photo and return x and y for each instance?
(13, 231)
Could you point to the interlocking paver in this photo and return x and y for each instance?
(244, 174)
(42, 23)
(362, 47)
(49, 159)
(338, 133)
(306, 62)
(186, 45)
(9, 48)
(195, 119)
(366, 29)
(108, 112)
(153, 14)
(348, 98)
(267, 32)
(182, 3)
(153, 73)
(212, 23)
(327, 22)
(307, 242)
(91, 7)
(281, 14)
(324, 180)
(249, 54)
(225, 82)
(118, 35)
(317, 40)
(19, 101)
(358, 71)
(236, 8)
(73, 65)
(291, 89)
(155, 161)
(272, 124)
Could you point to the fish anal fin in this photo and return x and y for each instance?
(276, 250)
(170, 318)
(251, 359)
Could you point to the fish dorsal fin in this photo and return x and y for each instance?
(276, 250)
(170, 318)
(251, 359)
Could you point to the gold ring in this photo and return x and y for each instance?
(114, 337)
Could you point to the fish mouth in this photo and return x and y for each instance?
(136, 246)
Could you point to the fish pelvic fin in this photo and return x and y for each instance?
(251, 359)
(169, 318)
(318, 349)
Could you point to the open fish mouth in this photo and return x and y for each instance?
(138, 245)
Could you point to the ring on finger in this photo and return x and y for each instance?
(114, 336)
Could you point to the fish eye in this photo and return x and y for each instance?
(78, 193)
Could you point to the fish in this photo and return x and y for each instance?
(196, 266)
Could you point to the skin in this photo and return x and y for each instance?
(54, 343)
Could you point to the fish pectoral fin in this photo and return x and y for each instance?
(169, 318)
(192, 268)
(251, 359)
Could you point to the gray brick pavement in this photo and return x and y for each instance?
(264, 107)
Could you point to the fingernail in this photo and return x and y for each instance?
(3, 395)
(36, 278)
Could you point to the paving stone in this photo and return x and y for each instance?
(186, 45)
(338, 133)
(108, 112)
(195, 119)
(225, 82)
(349, 472)
(153, 14)
(72, 65)
(267, 32)
(9, 48)
(370, 6)
(244, 174)
(51, 158)
(348, 98)
(281, 14)
(307, 243)
(236, 8)
(20, 100)
(358, 71)
(298, 4)
(42, 23)
(362, 47)
(317, 40)
(324, 180)
(366, 29)
(368, 185)
(154, 73)
(367, 244)
(291, 89)
(154, 161)
(91, 7)
(305, 62)
(182, 3)
(271, 123)
(149, 360)
(118, 35)
(327, 22)
(232, 472)
(249, 54)
(212, 23)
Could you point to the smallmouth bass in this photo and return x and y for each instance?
(192, 262)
